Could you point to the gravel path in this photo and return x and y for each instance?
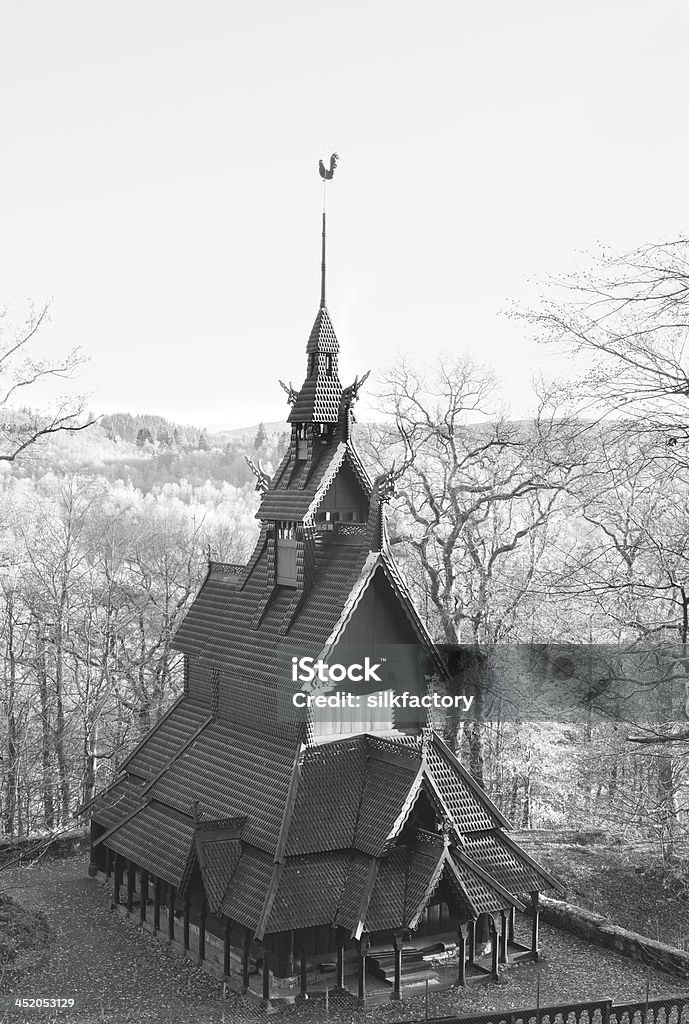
(113, 970)
(120, 975)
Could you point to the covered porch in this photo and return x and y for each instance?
(285, 966)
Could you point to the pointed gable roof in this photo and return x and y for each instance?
(318, 401)
(298, 494)
(322, 337)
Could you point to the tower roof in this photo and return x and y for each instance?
(322, 337)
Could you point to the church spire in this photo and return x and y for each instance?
(327, 175)
(323, 257)
(318, 400)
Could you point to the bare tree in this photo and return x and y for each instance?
(477, 493)
(20, 372)
(628, 572)
(627, 317)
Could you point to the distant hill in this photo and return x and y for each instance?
(220, 434)
(127, 426)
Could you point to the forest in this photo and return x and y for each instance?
(549, 557)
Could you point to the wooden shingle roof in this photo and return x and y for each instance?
(158, 839)
(309, 891)
(246, 891)
(231, 772)
(218, 860)
(498, 854)
(248, 655)
(209, 607)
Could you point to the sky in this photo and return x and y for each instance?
(159, 184)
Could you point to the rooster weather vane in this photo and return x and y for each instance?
(327, 173)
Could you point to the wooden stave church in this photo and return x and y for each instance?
(289, 842)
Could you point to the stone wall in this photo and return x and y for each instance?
(594, 928)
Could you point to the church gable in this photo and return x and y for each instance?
(379, 619)
(345, 500)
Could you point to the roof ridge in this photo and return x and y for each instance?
(454, 762)
(486, 877)
(431, 886)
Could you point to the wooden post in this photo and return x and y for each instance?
(513, 917)
(116, 880)
(397, 990)
(226, 961)
(503, 937)
(171, 913)
(156, 905)
(186, 924)
(130, 886)
(108, 861)
(363, 946)
(290, 952)
(245, 962)
(472, 940)
(462, 954)
(495, 973)
(202, 931)
(144, 895)
(303, 988)
(340, 976)
(266, 977)
(534, 925)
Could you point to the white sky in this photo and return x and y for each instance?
(158, 179)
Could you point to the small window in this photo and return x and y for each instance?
(286, 554)
(329, 365)
(301, 442)
(286, 569)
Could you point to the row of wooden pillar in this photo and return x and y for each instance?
(500, 937)
(115, 867)
(466, 946)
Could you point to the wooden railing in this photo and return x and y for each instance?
(667, 1010)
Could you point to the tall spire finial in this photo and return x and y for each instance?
(326, 175)
(323, 257)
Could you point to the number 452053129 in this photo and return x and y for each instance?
(37, 1002)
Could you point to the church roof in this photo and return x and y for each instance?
(218, 857)
(158, 838)
(209, 606)
(333, 851)
(309, 891)
(226, 634)
(229, 770)
(221, 628)
(298, 494)
(318, 401)
(322, 337)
